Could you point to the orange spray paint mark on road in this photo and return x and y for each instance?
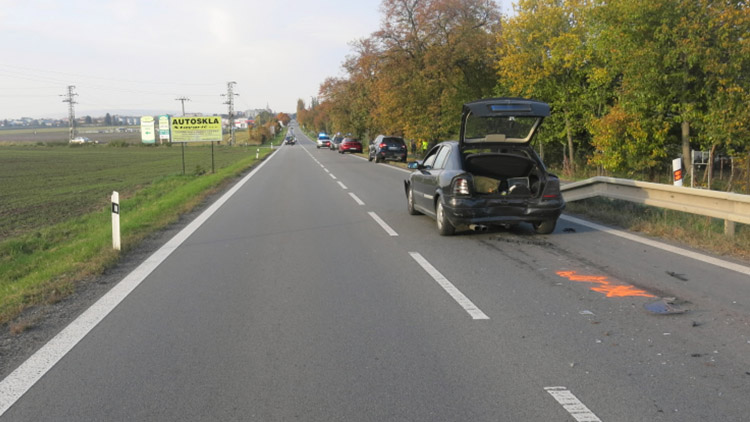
(604, 285)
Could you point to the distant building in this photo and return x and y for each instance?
(243, 123)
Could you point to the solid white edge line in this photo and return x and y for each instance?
(572, 405)
(383, 224)
(397, 168)
(343, 186)
(356, 198)
(663, 246)
(452, 290)
(18, 382)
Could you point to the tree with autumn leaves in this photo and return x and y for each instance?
(266, 126)
(411, 77)
(632, 83)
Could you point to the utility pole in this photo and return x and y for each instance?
(71, 110)
(182, 100)
(230, 101)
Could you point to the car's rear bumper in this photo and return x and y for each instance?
(466, 211)
(393, 155)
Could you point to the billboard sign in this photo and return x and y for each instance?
(164, 128)
(196, 129)
(147, 130)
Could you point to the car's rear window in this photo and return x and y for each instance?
(510, 129)
(393, 141)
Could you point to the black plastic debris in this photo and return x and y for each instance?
(678, 276)
(569, 230)
(664, 306)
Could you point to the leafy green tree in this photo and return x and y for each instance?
(655, 48)
(544, 53)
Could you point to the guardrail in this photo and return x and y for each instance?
(731, 207)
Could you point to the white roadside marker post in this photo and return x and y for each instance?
(115, 220)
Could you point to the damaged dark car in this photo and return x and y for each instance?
(491, 175)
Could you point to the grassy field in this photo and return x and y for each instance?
(61, 135)
(41, 185)
(54, 208)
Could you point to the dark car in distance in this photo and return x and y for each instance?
(491, 175)
(350, 145)
(385, 148)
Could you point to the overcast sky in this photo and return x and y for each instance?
(142, 55)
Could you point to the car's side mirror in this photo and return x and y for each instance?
(413, 165)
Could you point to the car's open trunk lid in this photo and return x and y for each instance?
(501, 121)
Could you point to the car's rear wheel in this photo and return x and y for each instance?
(410, 202)
(544, 227)
(369, 158)
(445, 228)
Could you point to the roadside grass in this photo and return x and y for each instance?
(67, 240)
(696, 231)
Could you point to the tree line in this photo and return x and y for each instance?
(632, 83)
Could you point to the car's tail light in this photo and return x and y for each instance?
(461, 186)
(551, 189)
(383, 145)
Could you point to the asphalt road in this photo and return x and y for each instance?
(312, 295)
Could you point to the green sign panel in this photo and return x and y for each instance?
(147, 130)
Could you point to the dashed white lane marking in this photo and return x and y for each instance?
(326, 170)
(343, 186)
(383, 224)
(33, 369)
(569, 402)
(332, 176)
(663, 246)
(356, 199)
(452, 290)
